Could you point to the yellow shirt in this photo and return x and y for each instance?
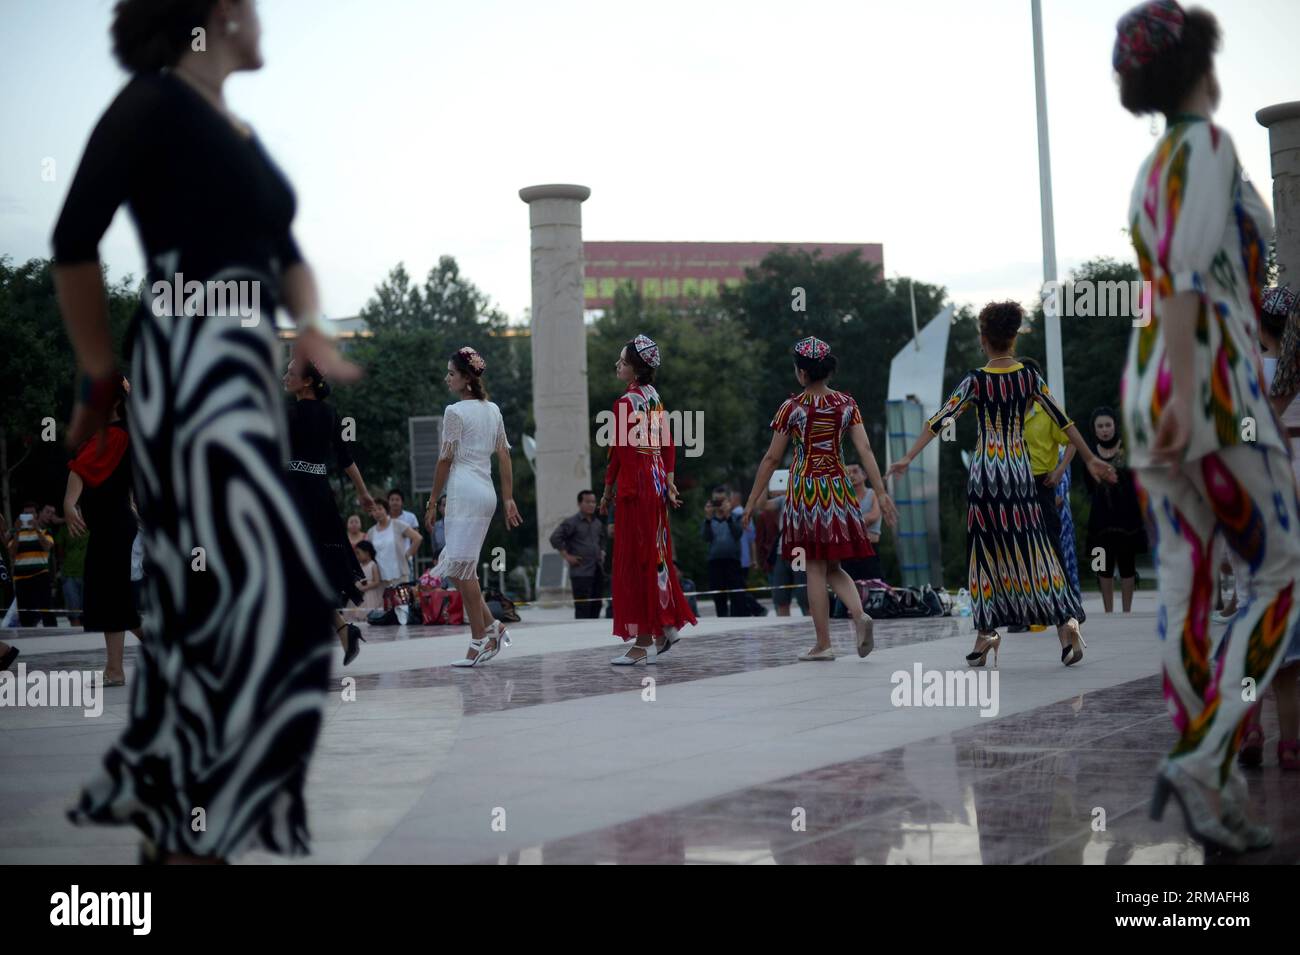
(1044, 440)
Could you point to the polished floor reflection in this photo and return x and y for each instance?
(727, 752)
(992, 794)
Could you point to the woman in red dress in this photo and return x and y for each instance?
(649, 606)
(821, 522)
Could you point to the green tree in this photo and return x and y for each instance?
(708, 372)
(867, 320)
(38, 368)
(414, 330)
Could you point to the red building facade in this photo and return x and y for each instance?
(681, 270)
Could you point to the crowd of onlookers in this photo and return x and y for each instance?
(42, 570)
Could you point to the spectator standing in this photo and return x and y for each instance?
(581, 541)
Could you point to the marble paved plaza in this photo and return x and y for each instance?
(739, 755)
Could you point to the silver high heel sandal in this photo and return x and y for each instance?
(1201, 822)
(1233, 799)
(866, 639)
(1072, 652)
(502, 635)
(482, 653)
(647, 657)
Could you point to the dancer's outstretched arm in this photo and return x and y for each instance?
(1099, 469)
(900, 466)
(363, 492)
(301, 298)
(957, 402)
(863, 446)
(771, 461)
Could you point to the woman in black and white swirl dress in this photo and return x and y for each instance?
(235, 663)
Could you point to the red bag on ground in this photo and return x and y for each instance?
(442, 607)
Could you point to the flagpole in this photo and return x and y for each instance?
(1052, 322)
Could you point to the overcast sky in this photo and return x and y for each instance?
(408, 127)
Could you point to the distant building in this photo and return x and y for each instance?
(683, 270)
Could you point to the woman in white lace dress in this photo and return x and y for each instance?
(472, 431)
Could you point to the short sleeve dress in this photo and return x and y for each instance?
(821, 516)
(472, 431)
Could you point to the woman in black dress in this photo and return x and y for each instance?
(1116, 532)
(98, 498)
(313, 431)
(234, 667)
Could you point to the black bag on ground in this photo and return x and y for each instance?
(502, 607)
(883, 604)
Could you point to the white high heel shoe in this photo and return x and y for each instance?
(671, 636)
(1201, 822)
(482, 654)
(648, 658)
(502, 635)
(1233, 799)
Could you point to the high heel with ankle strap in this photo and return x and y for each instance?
(648, 655)
(482, 652)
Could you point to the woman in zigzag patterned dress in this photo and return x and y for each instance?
(821, 522)
(229, 692)
(1015, 577)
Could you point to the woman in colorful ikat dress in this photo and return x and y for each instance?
(1015, 575)
(821, 520)
(1208, 452)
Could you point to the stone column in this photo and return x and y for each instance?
(1283, 124)
(559, 346)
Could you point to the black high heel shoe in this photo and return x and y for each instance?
(977, 658)
(355, 639)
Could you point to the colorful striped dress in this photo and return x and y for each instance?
(1014, 575)
(821, 514)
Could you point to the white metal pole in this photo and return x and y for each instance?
(1055, 367)
(916, 334)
